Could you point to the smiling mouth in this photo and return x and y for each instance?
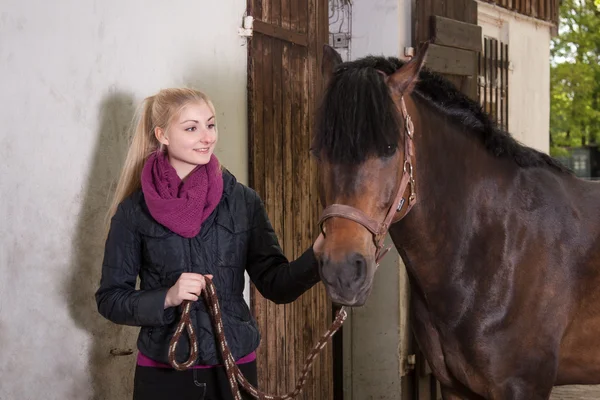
(202, 150)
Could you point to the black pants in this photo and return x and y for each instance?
(194, 384)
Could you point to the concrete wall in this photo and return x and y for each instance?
(375, 335)
(71, 75)
(529, 76)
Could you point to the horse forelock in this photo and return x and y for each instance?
(357, 118)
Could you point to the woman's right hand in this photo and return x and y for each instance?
(188, 287)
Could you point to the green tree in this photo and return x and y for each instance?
(575, 77)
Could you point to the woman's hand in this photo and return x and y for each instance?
(188, 287)
(319, 244)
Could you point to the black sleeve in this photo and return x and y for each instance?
(274, 276)
(117, 298)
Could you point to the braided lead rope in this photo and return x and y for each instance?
(185, 323)
(233, 371)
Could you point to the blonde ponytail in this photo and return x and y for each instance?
(143, 143)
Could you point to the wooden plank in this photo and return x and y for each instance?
(294, 53)
(286, 22)
(448, 60)
(452, 33)
(269, 198)
(472, 17)
(531, 9)
(324, 304)
(280, 363)
(506, 89)
(318, 311)
(289, 327)
(280, 33)
(502, 81)
(480, 75)
(486, 52)
(256, 141)
(469, 86)
(288, 217)
(437, 8)
(255, 8)
(298, 106)
(421, 22)
(542, 9)
(470, 82)
(495, 79)
(308, 91)
(452, 8)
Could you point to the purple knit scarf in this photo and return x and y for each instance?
(181, 206)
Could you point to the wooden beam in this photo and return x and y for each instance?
(280, 33)
(453, 33)
(449, 60)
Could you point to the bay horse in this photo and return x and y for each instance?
(501, 246)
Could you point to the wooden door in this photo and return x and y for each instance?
(284, 85)
(455, 43)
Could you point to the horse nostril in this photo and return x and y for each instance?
(359, 264)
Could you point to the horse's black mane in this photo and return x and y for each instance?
(357, 104)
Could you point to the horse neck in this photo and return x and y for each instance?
(449, 165)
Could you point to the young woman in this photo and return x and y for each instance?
(178, 216)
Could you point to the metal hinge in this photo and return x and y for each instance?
(247, 27)
(409, 364)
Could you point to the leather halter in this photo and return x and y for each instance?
(379, 230)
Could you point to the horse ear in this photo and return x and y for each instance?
(404, 80)
(330, 60)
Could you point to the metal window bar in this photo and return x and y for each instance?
(493, 80)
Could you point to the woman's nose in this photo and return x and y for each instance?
(208, 136)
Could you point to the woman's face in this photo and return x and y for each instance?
(190, 138)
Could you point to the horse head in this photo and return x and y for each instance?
(365, 155)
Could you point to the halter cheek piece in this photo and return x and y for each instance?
(379, 230)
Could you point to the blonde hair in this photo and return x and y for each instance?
(155, 111)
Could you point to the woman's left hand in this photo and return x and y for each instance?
(319, 244)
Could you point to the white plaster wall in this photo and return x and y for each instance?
(71, 74)
(529, 77)
(374, 335)
(380, 27)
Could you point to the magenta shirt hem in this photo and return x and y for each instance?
(144, 361)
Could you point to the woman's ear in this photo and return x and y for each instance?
(159, 133)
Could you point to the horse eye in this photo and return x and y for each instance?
(390, 150)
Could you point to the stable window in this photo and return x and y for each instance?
(493, 80)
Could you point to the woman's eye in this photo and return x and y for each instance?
(211, 126)
(191, 129)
